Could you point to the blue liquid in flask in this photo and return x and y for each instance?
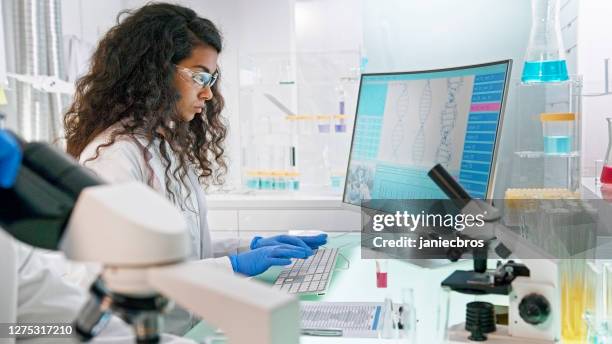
(557, 144)
(544, 71)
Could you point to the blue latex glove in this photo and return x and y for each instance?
(10, 159)
(309, 243)
(256, 261)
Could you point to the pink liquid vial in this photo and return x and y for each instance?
(606, 171)
(381, 280)
(606, 174)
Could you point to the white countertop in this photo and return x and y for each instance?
(589, 185)
(302, 200)
(284, 200)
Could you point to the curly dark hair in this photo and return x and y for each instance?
(131, 80)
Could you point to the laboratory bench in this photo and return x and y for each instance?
(358, 284)
(244, 215)
(592, 189)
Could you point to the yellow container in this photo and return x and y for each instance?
(578, 297)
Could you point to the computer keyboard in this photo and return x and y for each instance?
(308, 276)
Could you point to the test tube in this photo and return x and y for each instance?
(266, 182)
(252, 180)
(381, 273)
(323, 124)
(340, 127)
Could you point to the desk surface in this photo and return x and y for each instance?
(358, 284)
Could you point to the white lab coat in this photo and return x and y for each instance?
(128, 159)
(33, 291)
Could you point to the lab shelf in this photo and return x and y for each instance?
(541, 154)
(296, 114)
(250, 213)
(529, 166)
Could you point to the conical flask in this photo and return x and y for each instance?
(606, 172)
(545, 57)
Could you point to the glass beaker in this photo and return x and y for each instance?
(606, 171)
(596, 316)
(382, 266)
(558, 131)
(545, 58)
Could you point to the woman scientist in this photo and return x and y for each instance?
(149, 110)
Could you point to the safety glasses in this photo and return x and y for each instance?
(203, 79)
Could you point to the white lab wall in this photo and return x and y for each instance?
(403, 35)
(328, 25)
(83, 25)
(568, 21)
(410, 35)
(595, 45)
(89, 20)
(3, 78)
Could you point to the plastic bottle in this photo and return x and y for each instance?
(606, 172)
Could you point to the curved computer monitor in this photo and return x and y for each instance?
(408, 122)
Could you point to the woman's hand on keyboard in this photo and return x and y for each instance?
(308, 243)
(315, 241)
(256, 261)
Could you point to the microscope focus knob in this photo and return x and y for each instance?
(534, 309)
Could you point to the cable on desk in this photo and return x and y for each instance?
(348, 262)
(341, 235)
